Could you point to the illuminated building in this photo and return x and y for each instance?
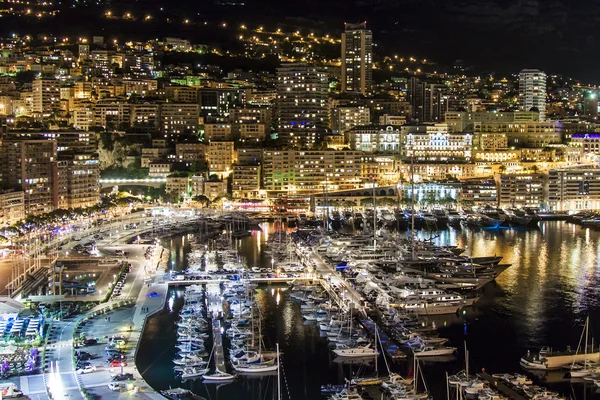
(190, 151)
(31, 166)
(478, 192)
(462, 121)
(12, 206)
(246, 181)
(177, 184)
(46, 96)
(574, 189)
(434, 143)
(82, 175)
(345, 118)
(520, 190)
(145, 116)
(217, 131)
(220, 157)
(298, 171)
(176, 118)
(587, 142)
(375, 138)
(519, 134)
(357, 58)
(159, 169)
(302, 115)
(532, 91)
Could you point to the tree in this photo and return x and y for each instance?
(25, 76)
(203, 200)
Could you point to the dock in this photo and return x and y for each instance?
(502, 387)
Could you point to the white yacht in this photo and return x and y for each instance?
(356, 352)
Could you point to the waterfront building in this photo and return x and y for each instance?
(299, 171)
(574, 189)
(357, 58)
(12, 206)
(379, 168)
(302, 114)
(532, 91)
(31, 166)
(424, 172)
(177, 184)
(496, 156)
(245, 183)
(490, 141)
(197, 185)
(521, 190)
(479, 192)
(78, 176)
(214, 189)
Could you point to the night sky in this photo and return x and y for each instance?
(558, 36)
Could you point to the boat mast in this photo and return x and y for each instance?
(278, 374)
(374, 219)
(412, 196)
(587, 325)
(466, 360)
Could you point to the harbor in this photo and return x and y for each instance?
(441, 329)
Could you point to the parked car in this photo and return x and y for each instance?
(122, 377)
(117, 363)
(90, 342)
(83, 356)
(118, 357)
(87, 369)
(116, 387)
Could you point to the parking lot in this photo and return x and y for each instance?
(112, 332)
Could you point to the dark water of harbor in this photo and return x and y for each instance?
(543, 299)
(307, 360)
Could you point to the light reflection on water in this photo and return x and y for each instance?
(542, 299)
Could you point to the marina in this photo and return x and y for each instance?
(410, 333)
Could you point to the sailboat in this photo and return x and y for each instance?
(588, 367)
(195, 371)
(218, 375)
(257, 363)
